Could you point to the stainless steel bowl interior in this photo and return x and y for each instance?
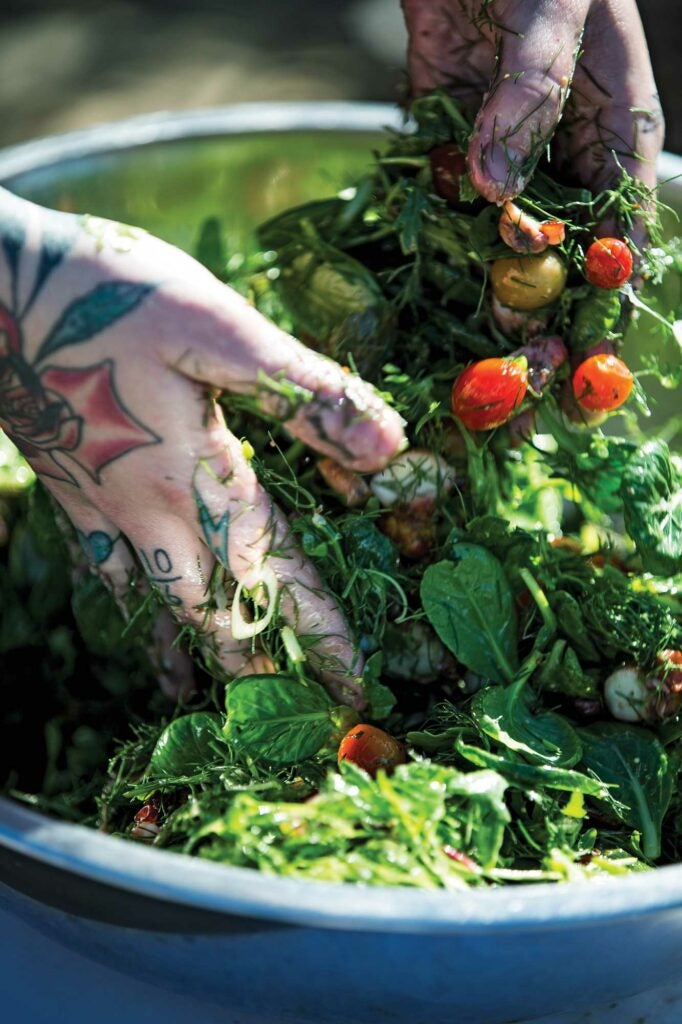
(166, 173)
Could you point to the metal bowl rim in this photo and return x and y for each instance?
(189, 881)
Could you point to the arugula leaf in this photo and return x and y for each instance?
(409, 221)
(633, 760)
(623, 620)
(561, 672)
(17, 628)
(508, 715)
(470, 606)
(571, 623)
(210, 247)
(593, 318)
(652, 496)
(187, 745)
(532, 776)
(380, 700)
(99, 620)
(278, 718)
(397, 830)
(486, 811)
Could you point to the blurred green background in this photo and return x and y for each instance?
(74, 63)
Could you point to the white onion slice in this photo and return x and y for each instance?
(257, 576)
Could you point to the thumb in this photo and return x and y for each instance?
(538, 46)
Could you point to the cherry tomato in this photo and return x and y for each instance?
(448, 164)
(371, 749)
(487, 393)
(608, 263)
(149, 812)
(602, 383)
(413, 535)
(528, 282)
(671, 663)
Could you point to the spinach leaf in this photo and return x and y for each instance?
(532, 776)
(470, 605)
(277, 718)
(513, 547)
(187, 745)
(508, 715)
(633, 761)
(652, 497)
(367, 547)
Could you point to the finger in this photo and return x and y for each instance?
(111, 559)
(247, 533)
(180, 569)
(335, 412)
(174, 667)
(537, 49)
(100, 540)
(447, 47)
(613, 118)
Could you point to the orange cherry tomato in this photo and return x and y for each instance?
(488, 392)
(371, 749)
(602, 383)
(608, 263)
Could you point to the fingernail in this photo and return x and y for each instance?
(498, 174)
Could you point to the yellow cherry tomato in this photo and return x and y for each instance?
(528, 282)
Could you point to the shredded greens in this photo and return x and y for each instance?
(490, 613)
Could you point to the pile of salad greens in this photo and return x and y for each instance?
(518, 608)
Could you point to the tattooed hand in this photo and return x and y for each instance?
(112, 348)
(528, 63)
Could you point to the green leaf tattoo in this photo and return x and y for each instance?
(87, 316)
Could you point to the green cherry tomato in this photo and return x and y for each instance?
(528, 282)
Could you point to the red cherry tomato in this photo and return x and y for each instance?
(371, 749)
(448, 164)
(608, 263)
(487, 393)
(602, 383)
(149, 812)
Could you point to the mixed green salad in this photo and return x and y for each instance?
(512, 578)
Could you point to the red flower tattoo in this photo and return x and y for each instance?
(58, 416)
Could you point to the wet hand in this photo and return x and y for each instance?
(528, 66)
(113, 348)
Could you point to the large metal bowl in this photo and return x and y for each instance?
(273, 949)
